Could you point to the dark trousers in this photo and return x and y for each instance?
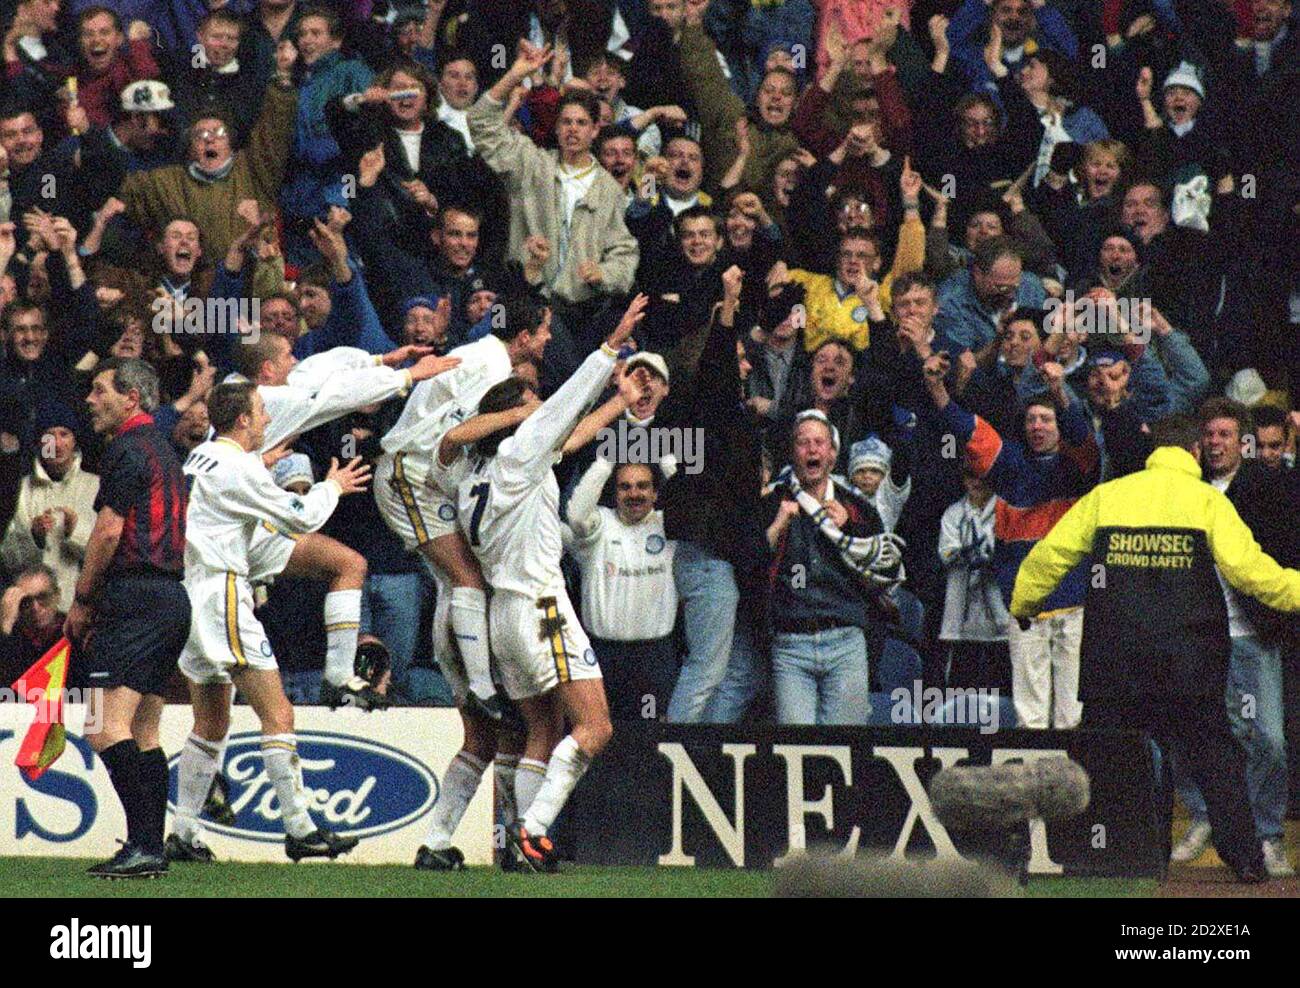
(1196, 731)
(979, 665)
(639, 676)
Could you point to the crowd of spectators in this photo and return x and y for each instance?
(921, 267)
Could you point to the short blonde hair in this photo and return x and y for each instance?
(1108, 145)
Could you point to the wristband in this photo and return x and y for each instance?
(608, 351)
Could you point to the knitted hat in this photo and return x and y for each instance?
(429, 302)
(52, 414)
(1246, 387)
(1187, 76)
(869, 453)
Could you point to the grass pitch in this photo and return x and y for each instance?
(50, 878)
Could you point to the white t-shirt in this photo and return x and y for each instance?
(1239, 625)
(628, 593)
(411, 145)
(231, 494)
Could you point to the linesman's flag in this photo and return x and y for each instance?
(42, 685)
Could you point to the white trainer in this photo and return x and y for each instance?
(1193, 843)
(1275, 862)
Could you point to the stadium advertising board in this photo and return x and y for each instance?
(376, 776)
(750, 797)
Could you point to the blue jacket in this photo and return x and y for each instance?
(963, 323)
(968, 31)
(314, 171)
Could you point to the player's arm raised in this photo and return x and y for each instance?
(544, 432)
(629, 390)
(472, 430)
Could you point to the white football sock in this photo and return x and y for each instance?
(342, 622)
(459, 783)
(504, 768)
(196, 768)
(528, 783)
(469, 624)
(566, 767)
(280, 756)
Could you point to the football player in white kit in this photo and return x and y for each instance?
(417, 496)
(509, 507)
(300, 396)
(232, 496)
(519, 771)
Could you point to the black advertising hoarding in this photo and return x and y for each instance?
(747, 796)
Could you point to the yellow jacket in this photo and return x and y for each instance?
(1154, 616)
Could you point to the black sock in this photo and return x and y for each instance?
(153, 776)
(123, 763)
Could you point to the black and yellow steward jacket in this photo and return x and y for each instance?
(1154, 620)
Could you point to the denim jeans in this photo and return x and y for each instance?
(390, 610)
(707, 587)
(821, 678)
(745, 678)
(1254, 681)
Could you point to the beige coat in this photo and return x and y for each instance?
(63, 550)
(597, 232)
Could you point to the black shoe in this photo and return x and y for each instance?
(1252, 874)
(508, 859)
(356, 692)
(491, 708)
(217, 806)
(427, 859)
(130, 862)
(318, 844)
(178, 849)
(536, 853)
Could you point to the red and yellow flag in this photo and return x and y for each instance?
(42, 684)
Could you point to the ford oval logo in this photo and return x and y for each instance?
(354, 786)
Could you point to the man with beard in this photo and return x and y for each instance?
(972, 301)
(132, 142)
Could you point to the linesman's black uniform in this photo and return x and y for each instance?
(1155, 628)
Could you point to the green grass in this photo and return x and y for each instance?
(66, 878)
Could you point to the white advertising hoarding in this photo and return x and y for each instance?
(374, 775)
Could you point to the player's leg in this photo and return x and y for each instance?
(459, 784)
(451, 556)
(265, 694)
(200, 761)
(505, 769)
(583, 704)
(319, 557)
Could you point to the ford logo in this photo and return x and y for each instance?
(354, 786)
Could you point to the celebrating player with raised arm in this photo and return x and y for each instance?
(232, 496)
(509, 507)
(417, 496)
(299, 397)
